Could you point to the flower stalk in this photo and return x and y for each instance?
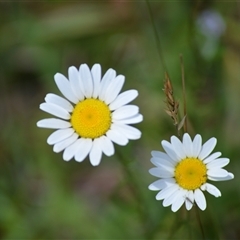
(184, 95)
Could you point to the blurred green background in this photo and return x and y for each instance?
(43, 197)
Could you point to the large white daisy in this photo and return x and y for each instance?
(92, 115)
(184, 169)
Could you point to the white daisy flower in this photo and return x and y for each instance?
(184, 170)
(92, 115)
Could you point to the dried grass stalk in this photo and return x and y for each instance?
(172, 104)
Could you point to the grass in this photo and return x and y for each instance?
(43, 197)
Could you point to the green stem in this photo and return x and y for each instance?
(134, 181)
(156, 36)
(189, 225)
(199, 222)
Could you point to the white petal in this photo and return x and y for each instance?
(161, 184)
(117, 137)
(71, 150)
(217, 172)
(166, 168)
(169, 200)
(178, 147)
(106, 145)
(61, 102)
(168, 149)
(95, 154)
(129, 131)
(123, 99)
(207, 148)
(74, 79)
(189, 200)
(53, 123)
(161, 172)
(197, 145)
(107, 78)
(162, 155)
(230, 176)
(114, 89)
(187, 145)
(86, 79)
(159, 154)
(179, 200)
(65, 88)
(212, 157)
(125, 112)
(132, 120)
(176, 199)
(55, 110)
(211, 189)
(96, 76)
(84, 148)
(59, 135)
(167, 192)
(218, 163)
(160, 162)
(58, 147)
(200, 199)
(204, 187)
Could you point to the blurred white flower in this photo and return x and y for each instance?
(212, 26)
(184, 171)
(96, 117)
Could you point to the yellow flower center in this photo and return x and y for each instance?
(191, 173)
(91, 118)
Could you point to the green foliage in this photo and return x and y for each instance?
(43, 197)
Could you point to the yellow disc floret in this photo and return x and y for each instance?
(190, 173)
(91, 118)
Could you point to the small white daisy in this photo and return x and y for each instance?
(96, 117)
(184, 170)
